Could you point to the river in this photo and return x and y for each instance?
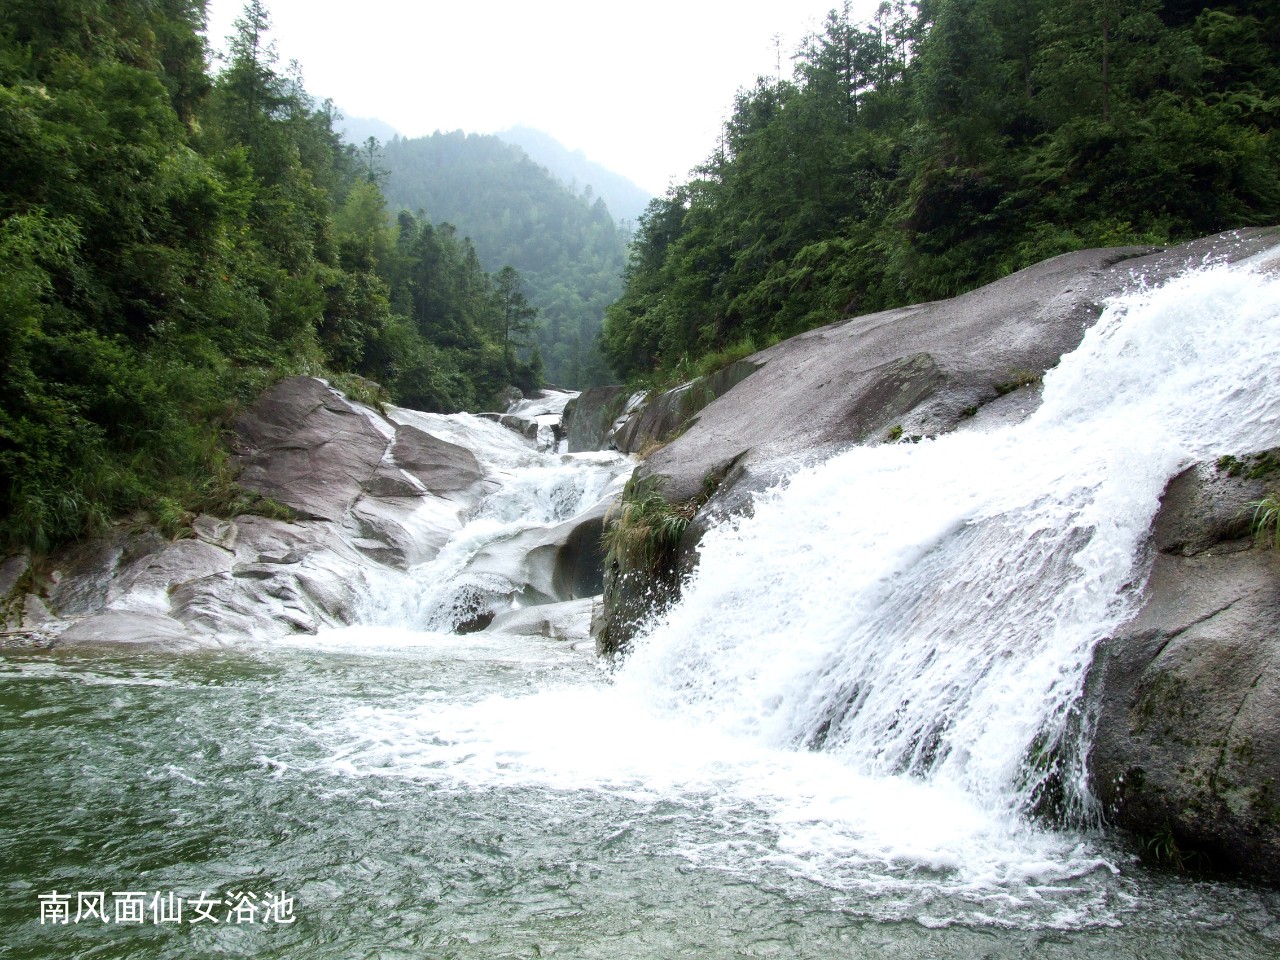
(828, 749)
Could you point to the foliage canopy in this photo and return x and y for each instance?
(945, 144)
(172, 239)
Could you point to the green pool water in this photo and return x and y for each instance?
(272, 772)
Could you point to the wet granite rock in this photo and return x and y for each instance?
(666, 415)
(304, 445)
(589, 418)
(1187, 748)
(549, 564)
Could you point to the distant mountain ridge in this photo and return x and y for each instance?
(625, 200)
(356, 130)
(569, 249)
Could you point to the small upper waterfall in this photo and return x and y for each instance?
(487, 560)
(931, 609)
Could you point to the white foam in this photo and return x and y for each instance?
(923, 615)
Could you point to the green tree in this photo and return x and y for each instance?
(516, 317)
(943, 146)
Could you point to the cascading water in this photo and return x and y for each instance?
(886, 659)
(931, 609)
(532, 490)
(447, 591)
(829, 747)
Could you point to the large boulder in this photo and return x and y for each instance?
(666, 415)
(590, 416)
(304, 445)
(409, 507)
(249, 577)
(549, 564)
(396, 489)
(1187, 749)
(128, 627)
(569, 620)
(539, 417)
(279, 578)
(426, 464)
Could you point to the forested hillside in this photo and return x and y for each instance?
(171, 240)
(940, 147)
(567, 247)
(625, 200)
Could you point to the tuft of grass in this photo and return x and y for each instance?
(1017, 378)
(643, 530)
(895, 435)
(1266, 520)
(715, 362)
(173, 521)
(687, 368)
(360, 389)
(1162, 848)
(650, 446)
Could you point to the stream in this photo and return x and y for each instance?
(828, 748)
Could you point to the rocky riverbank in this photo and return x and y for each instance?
(363, 498)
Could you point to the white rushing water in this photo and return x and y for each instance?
(881, 663)
(483, 564)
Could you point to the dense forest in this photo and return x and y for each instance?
(567, 246)
(625, 200)
(173, 238)
(946, 144)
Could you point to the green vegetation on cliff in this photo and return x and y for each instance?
(944, 145)
(171, 240)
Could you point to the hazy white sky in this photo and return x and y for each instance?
(640, 87)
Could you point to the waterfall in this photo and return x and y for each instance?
(530, 490)
(872, 681)
(931, 609)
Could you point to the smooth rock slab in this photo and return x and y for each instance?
(590, 416)
(570, 621)
(304, 445)
(130, 628)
